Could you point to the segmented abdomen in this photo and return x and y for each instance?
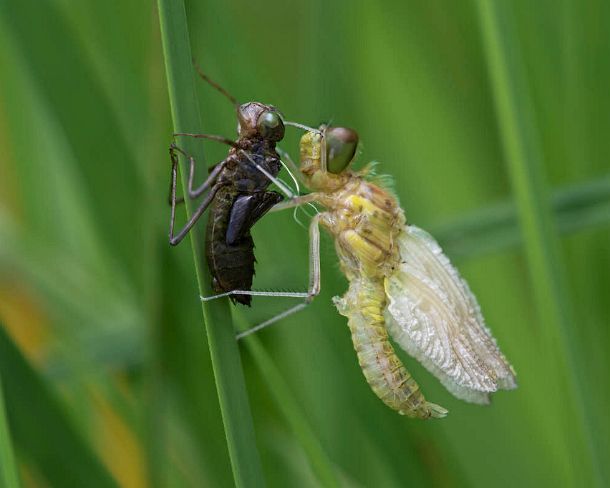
(363, 305)
(231, 266)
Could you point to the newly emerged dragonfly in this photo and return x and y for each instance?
(237, 195)
(400, 283)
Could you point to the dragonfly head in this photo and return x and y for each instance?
(257, 120)
(339, 145)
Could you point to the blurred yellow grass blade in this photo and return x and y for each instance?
(41, 428)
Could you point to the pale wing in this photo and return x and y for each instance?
(434, 316)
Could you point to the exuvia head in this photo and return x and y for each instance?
(256, 119)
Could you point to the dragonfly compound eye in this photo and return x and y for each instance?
(341, 144)
(270, 125)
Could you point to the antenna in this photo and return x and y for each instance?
(215, 85)
(301, 126)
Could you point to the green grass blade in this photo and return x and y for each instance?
(287, 404)
(8, 466)
(27, 25)
(42, 430)
(524, 160)
(224, 351)
(495, 228)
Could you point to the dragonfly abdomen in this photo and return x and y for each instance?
(363, 305)
(231, 265)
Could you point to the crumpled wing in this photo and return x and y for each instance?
(433, 315)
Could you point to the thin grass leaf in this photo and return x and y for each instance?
(8, 467)
(286, 403)
(224, 351)
(183, 354)
(41, 428)
(495, 228)
(524, 161)
(69, 88)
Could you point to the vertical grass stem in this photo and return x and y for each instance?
(524, 161)
(226, 361)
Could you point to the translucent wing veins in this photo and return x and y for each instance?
(434, 316)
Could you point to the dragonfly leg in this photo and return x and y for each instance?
(272, 320)
(283, 188)
(301, 126)
(211, 137)
(295, 202)
(257, 293)
(197, 192)
(172, 199)
(312, 292)
(174, 240)
(290, 166)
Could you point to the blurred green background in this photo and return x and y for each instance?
(103, 357)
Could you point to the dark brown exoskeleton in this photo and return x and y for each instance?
(237, 195)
